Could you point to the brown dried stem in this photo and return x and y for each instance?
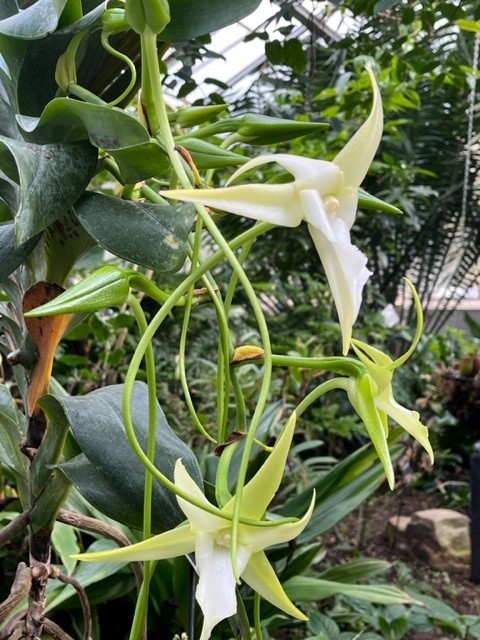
(102, 528)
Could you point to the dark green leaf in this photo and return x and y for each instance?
(51, 177)
(38, 20)
(295, 55)
(123, 136)
(150, 235)
(358, 569)
(191, 18)
(11, 434)
(117, 478)
(65, 242)
(36, 84)
(274, 52)
(12, 256)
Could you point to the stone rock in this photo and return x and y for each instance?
(437, 537)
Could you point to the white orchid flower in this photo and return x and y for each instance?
(325, 195)
(210, 535)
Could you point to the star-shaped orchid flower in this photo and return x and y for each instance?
(372, 395)
(210, 537)
(325, 195)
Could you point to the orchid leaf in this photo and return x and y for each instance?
(65, 242)
(37, 21)
(151, 235)
(308, 589)
(96, 420)
(123, 136)
(50, 178)
(12, 256)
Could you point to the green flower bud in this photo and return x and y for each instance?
(103, 288)
(113, 21)
(143, 15)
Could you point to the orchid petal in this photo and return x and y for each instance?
(262, 537)
(260, 490)
(375, 356)
(173, 543)
(347, 206)
(363, 400)
(356, 156)
(345, 267)
(275, 203)
(261, 577)
(200, 519)
(315, 213)
(216, 586)
(309, 173)
(408, 420)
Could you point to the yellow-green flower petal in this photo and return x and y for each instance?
(259, 575)
(260, 490)
(173, 543)
(357, 155)
(263, 537)
(277, 204)
(200, 520)
(361, 394)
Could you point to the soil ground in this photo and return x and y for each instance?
(364, 530)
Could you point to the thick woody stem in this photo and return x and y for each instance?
(40, 552)
(93, 525)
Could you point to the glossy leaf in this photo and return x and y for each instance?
(123, 136)
(191, 18)
(12, 256)
(359, 569)
(51, 177)
(36, 84)
(97, 423)
(37, 21)
(151, 235)
(65, 242)
(11, 435)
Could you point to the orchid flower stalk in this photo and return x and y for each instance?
(325, 195)
(209, 536)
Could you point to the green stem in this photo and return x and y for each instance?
(257, 617)
(316, 393)
(183, 340)
(142, 600)
(338, 364)
(121, 56)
